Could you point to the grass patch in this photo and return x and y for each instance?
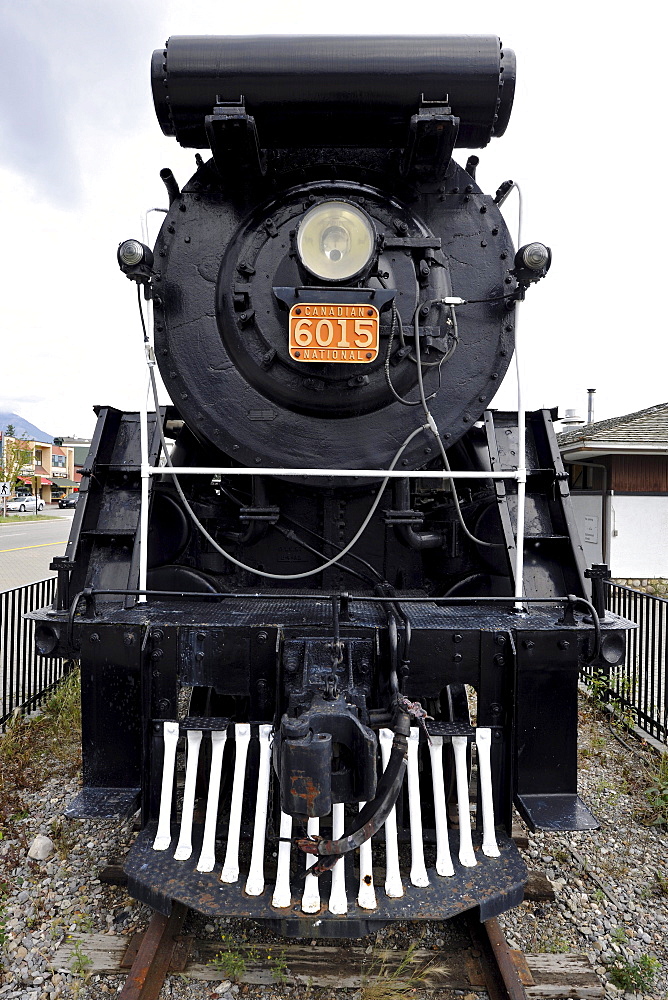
(657, 793)
(13, 518)
(31, 749)
(384, 981)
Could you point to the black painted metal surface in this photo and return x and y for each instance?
(495, 884)
(333, 90)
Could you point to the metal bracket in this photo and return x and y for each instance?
(268, 514)
(410, 517)
(234, 142)
(431, 140)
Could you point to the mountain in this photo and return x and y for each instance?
(22, 427)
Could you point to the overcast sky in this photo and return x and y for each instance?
(80, 152)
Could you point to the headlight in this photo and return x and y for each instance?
(135, 260)
(131, 253)
(335, 240)
(535, 256)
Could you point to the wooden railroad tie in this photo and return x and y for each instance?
(546, 976)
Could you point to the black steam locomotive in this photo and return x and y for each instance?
(316, 650)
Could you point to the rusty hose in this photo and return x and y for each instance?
(371, 818)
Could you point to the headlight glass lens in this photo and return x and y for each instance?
(335, 240)
(536, 256)
(131, 253)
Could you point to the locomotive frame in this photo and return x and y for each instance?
(236, 717)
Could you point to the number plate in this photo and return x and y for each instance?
(337, 333)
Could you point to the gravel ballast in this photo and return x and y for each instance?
(611, 891)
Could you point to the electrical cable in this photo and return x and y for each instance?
(454, 337)
(388, 353)
(252, 569)
(328, 541)
(434, 429)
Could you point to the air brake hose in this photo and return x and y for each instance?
(371, 818)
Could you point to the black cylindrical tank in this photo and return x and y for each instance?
(333, 90)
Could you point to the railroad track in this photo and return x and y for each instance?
(162, 948)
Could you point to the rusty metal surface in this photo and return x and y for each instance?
(505, 972)
(154, 956)
(496, 884)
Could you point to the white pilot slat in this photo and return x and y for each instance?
(366, 897)
(163, 834)
(282, 895)
(207, 858)
(393, 887)
(338, 901)
(311, 894)
(184, 848)
(444, 864)
(242, 735)
(466, 854)
(255, 880)
(418, 874)
(483, 739)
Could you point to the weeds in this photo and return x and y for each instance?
(661, 883)
(555, 946)
(30, 749)
(634, 976)
(279, 968)
(232, 963)
(382, 982)
(598, 687)
(657, 794)
(609, 694)
(62, 835)
(80, 962)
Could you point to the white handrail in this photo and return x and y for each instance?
(200, 470)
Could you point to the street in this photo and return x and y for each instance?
(27, 547)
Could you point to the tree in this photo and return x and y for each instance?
(15, 453)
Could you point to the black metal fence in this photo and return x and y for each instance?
(26, 678)
(640, 686)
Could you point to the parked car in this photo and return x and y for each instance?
(25, 503)
(69, 501)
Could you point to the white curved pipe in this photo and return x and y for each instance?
(282, 893)
(255, 880)
(393, 887)
(311, 894)
(184, 848)
(163, 835)
(483, 739)
(242, 735)
(418, 874)
(338, 901)
(443, 859)
(207, 858)
(366, 897)
(466, 854)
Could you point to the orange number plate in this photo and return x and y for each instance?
(328, 332)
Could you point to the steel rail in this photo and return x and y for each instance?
(151, 964)
(498, 960)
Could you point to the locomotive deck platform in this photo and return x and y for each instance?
(293, 609)
(494, 884)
